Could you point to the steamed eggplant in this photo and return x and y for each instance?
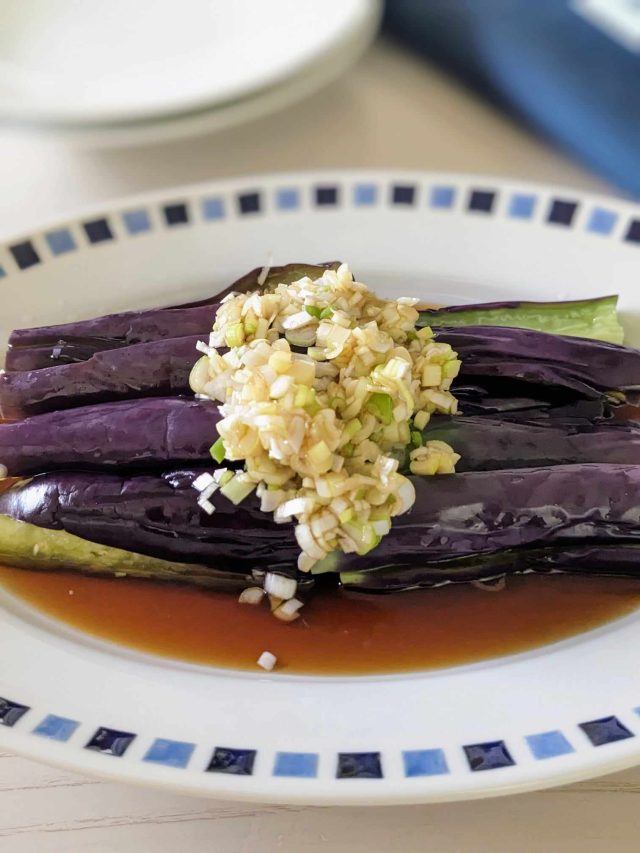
(619, 560)
(142, 370)
(44, 346)
(584, 367)
(586, 318)
(26, 546)
(487, 443)
(467, 515)
(153, 431)
(154, 515)
(180, 430)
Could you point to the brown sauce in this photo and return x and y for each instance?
(340, 634)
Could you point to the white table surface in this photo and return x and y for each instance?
(390, 110)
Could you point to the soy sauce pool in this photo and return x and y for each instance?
(339, 634)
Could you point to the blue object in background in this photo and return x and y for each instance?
(569, 67)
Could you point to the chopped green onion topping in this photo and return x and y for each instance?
(217, 450)
(381, 405)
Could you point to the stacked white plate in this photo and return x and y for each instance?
(122, 73)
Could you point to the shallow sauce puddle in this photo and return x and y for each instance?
(339, 634)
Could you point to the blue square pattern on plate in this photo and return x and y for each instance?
(175, 214)
(403, 194)
(424, 762)
(359, 765)
(548, 744)
(2, 272)
(602, 221)
(10, 712)
(249, 203)
(605, 730)
(98, 230)
(521, 206)
(110, 741)
(25, 255)
(561, 212)
(303, 765)
(60, 241)
(326, 196)
(56, 728)
(212, 208)
(633, 232)
(237, 761)
(288, 198)
(488, 756)
(170, 753)
(481, 201)
(442, 197)
(136, 221)
(365, 195)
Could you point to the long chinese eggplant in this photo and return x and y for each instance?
(585, 318)
(620, 560)
(128, 433)
(142, 370)
(154, 515)
(562, 365)
(473, 514)
(26, 546)
(584, 367)
(45, 346)
(488, 443)
(176, 431)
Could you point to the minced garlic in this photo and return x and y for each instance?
(322, 387)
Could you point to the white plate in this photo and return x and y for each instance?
(339, 56)
(119, 61)
(555, 714)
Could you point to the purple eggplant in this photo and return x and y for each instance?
(488, 443)
(620, 560)
(44, 346)
(34, 349)
(454, 517)
(153, 369)
(153, 431)
(154, 515)
(585, 367)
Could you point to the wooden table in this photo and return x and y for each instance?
(391, 110)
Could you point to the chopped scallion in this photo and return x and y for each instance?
(217, 450)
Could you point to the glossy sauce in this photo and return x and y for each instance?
(339, 634)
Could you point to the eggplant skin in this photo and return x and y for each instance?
(158, 431)
(159, 368)
(154, 515)
(129, 433)
(487, 443)
(585, 367)
(616, 561)
(46, 346)
(484, 512)
(472, 514)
